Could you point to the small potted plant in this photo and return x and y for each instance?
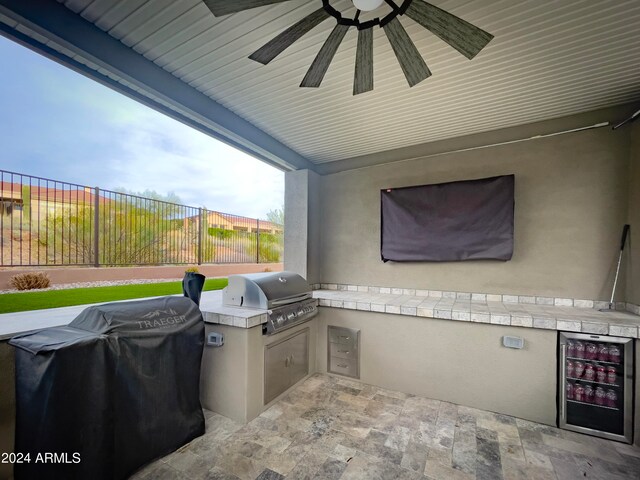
(192, 284)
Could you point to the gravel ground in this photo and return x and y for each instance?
(104, 283)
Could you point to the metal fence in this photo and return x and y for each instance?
(49, 222)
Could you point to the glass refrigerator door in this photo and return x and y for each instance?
(596, 375)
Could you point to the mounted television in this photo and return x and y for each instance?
(448, 222)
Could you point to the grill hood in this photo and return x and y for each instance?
(265, 290)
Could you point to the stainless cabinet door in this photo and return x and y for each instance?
(285, 362)
(299, 357)
(276, 371)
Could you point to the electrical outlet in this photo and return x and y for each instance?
(513, 342)
(215, 339)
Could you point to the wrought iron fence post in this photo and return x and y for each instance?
(258, 240)
(96, 227)
(200, 222)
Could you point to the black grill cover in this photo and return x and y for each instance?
(119, 386)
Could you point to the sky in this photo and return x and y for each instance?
(58, 124)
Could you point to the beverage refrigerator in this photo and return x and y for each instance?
(595, 388)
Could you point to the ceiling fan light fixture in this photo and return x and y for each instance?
(463, 36)
(367, 5)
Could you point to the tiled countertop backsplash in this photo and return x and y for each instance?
(519, 311)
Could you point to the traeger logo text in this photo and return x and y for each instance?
(155, 321)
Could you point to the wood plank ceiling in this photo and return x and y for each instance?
(548, 59)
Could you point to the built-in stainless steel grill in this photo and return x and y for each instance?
(286, 296)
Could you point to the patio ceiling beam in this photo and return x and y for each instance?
(57, 23)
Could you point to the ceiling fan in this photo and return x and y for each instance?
(461, 35)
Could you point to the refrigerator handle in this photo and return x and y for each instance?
(563, 387)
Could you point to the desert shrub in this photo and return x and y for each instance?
(30, 281)
(222, 233)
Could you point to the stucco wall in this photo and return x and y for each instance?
(571, 203)
(633, 254)
(232, 378)
(457, 362)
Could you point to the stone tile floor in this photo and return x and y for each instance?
(330, 428)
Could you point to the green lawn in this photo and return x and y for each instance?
(18, 302)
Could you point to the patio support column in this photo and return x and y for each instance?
(302, 226)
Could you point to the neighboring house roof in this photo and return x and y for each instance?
(226, 219)
(80, 195)
(55, 195)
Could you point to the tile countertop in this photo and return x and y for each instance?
(549, 317)
(214, 311)
(572, 319)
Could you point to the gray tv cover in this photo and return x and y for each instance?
(446, 222)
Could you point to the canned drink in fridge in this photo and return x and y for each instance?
(569, 389)
(571, 348)
(570, 369)
(590, 351)
(600, 396)
(579, 349)
(578, 393)
(611, 374)
(603, 353)
(601, 374)
(579, 369)
(611, 398)
(589, 372)
(614, 354)
(589, 394)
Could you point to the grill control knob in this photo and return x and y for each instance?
(291, 315)
(280, 319)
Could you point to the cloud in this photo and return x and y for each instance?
(167, 156)
(61, 125)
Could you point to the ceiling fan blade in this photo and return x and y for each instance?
(225, 7)
(320, 64)
(277, 45)
(414, 67)
(461, 35)
(363, 79)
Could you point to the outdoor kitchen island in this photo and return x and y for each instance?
(449, 346)
(235, 380)
(439, 347)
